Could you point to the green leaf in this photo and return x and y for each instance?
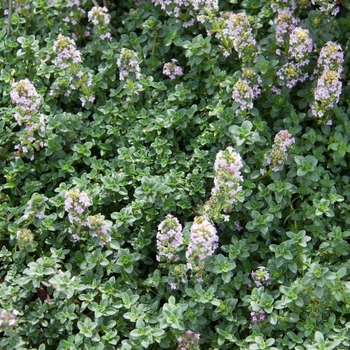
(319, 337)
(273, 319)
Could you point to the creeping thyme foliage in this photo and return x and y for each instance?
(174, 174)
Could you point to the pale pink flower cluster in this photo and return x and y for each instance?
(100, 19)
(205, 6)
(246, 89)
(25, 96)
(19, 6)
(300, 46)
(98, 16)
(238, 226)
(73, 3)
(99, 228)
(261, 276)
(278, 155)
(253, 79)
(75, 204)
(196, 9)
(169, 239)
(329, 85)
(330, 7)
(243, 94)
(172, 70)
(188, 340)
(227, 188)
(66, 52)
(293, 5)
(228, 179)
(257, 316)
(27, 101)
(75, 15)
(202, 243)
(235, 32)
(8, 318)
(283, 4)
(128, 65)
(327, 93)
(24, 238)
(204, 9)
(290, 74)
(284, 140)
(76, 79)
(331, 58)
(285, 24)
(171, 7)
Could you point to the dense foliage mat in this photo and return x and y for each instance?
(174, 174)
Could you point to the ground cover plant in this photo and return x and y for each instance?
(174, 174)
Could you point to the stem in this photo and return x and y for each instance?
(10, 18)
(113, 31)
(154, 44)
(266, 174)
(224, 41)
